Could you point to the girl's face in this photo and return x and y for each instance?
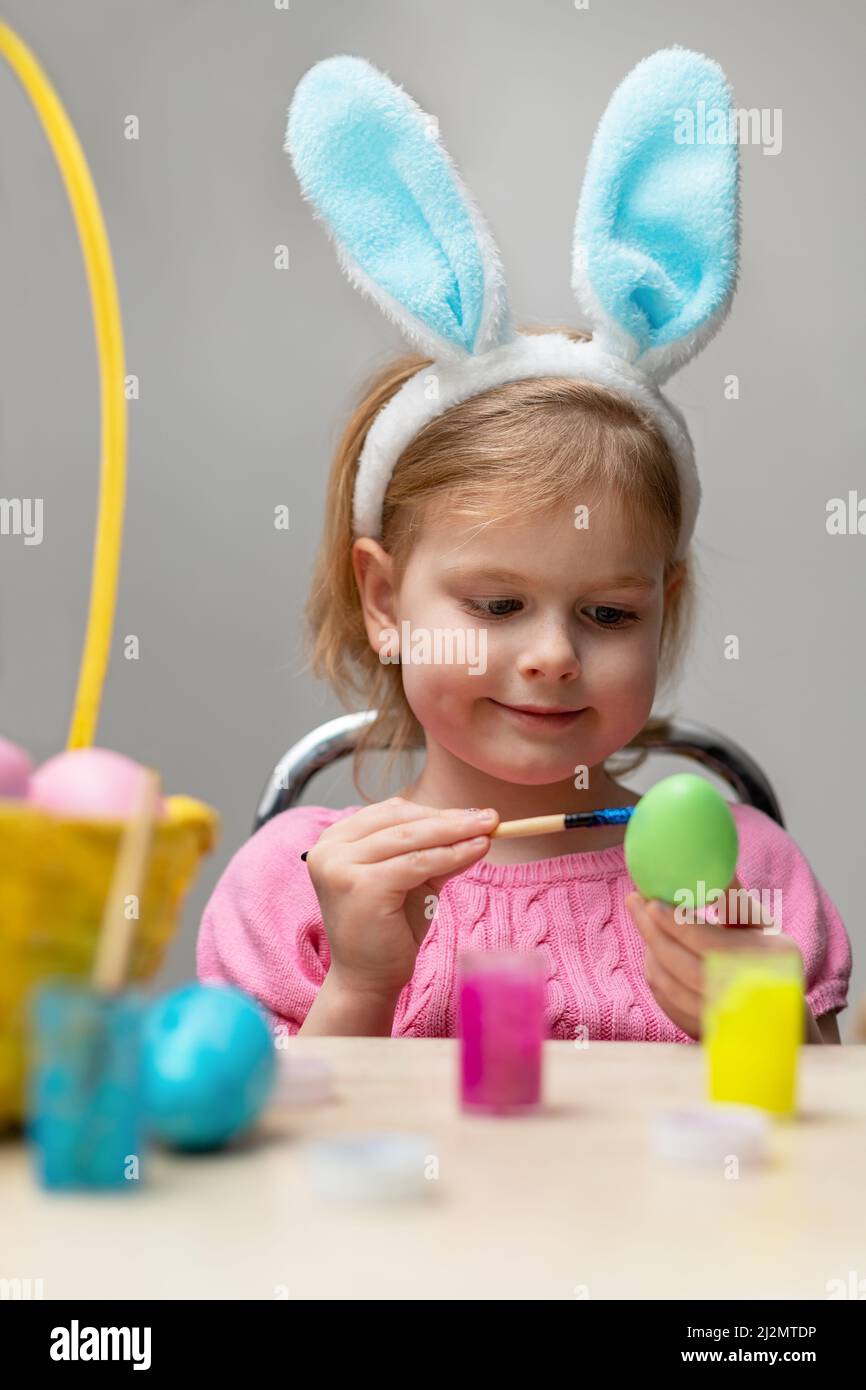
(548, 636)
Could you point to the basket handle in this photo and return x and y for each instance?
(109, 344)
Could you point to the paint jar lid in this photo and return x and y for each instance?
(304, 1081)
(712, 1133)
(385, 1166)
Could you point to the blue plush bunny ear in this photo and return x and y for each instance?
(406, 231)
(656, 240)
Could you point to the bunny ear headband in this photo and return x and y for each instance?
(654, 260)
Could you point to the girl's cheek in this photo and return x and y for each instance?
(626, 668)
(444, 696)
(447, 690)
(452, 656)
(633, 696)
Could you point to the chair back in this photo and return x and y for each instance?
(682, 738)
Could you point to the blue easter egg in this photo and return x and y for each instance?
(208, 1065)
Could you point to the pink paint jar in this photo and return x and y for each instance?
(501, 1021)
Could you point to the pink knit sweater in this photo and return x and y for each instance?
(262, 930)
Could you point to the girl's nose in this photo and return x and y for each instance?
(550, 655)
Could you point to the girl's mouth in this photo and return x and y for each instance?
(539, 716)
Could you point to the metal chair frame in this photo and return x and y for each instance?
(339, 737)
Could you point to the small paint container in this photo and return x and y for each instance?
(753, 1026)
(375, 1166)
(502, 1030)
(712, 1134)
(304, 1081)
(84, 1086)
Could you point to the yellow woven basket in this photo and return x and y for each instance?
(55, 873)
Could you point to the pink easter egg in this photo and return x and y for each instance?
(88, 783)
(15, 769)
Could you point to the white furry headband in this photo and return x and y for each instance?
(654, 261)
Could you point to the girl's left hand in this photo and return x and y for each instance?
(673, 957)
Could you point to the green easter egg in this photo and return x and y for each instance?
(682, 831)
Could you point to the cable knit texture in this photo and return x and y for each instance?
(262, 930)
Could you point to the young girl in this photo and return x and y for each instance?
(535, 520)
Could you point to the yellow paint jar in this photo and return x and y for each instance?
(753, 1027)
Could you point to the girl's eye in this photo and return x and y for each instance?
(610, 617)
(493, 607)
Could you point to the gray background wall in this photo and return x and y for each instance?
(246, 372)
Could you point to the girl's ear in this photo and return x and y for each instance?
(656, 240)
(406, 230)
(675, 577)
(374, 576)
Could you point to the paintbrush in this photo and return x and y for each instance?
(565, 820)
(549, 825)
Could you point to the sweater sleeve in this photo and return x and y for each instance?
(770, 861)
(262, 928)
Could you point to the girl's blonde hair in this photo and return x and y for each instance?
(519, 448)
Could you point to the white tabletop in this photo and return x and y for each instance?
(572, 1203)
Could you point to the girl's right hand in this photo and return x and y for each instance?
(371, 873)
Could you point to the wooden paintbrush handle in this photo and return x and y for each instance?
(533, 825)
